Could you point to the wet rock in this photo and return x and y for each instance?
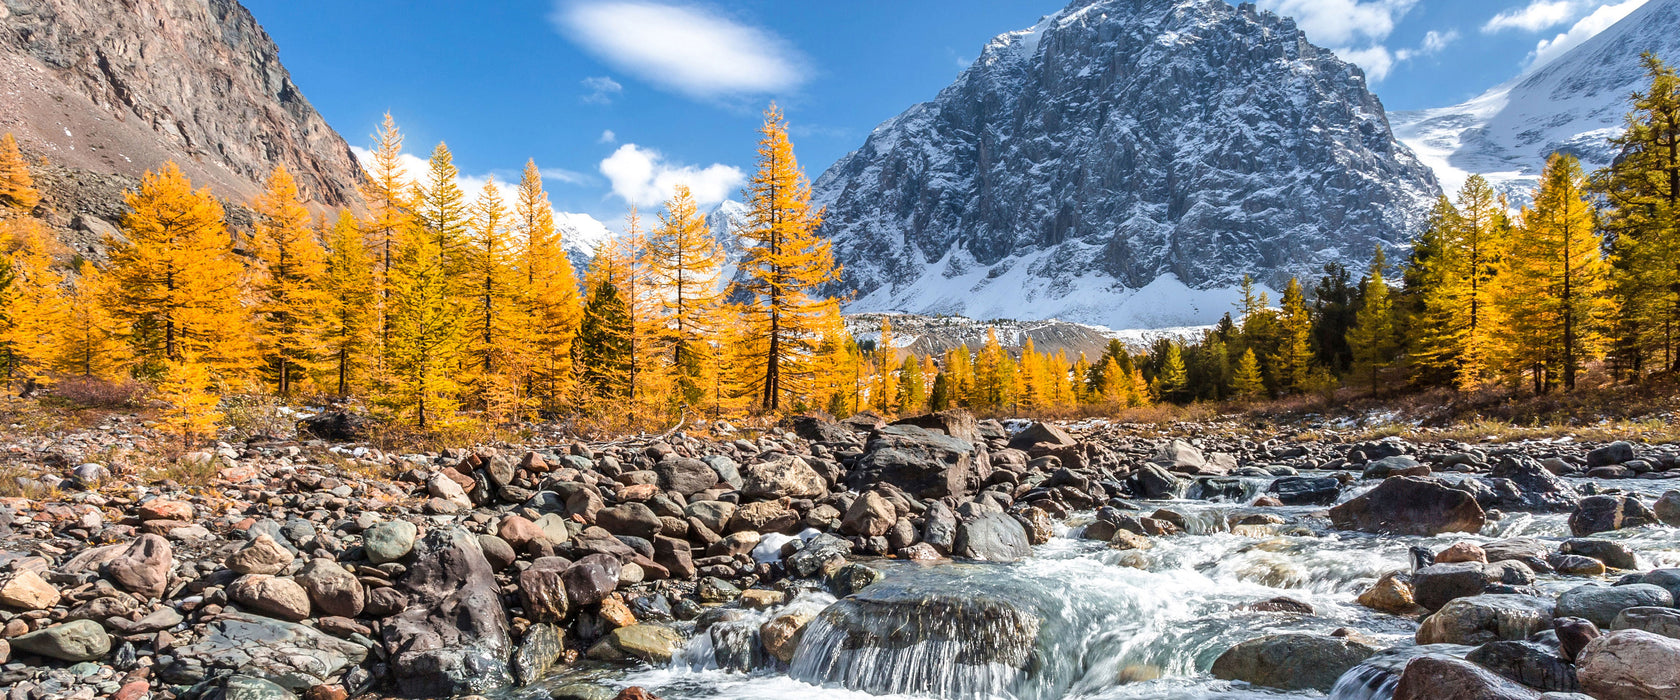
(296, 655)
(782, 633)
(1614, 554)
(1598, 514)
(1446, 678)
(788, 476)
(260, 555)
(1392, 594)
(1527, 550)
(1486, 618)
(278, 596)
(1409, 505)
(1667, 508)
(26, 590)
(1663, 621)
(1533, 665)
(940, 527)
(851, 578)
(1036, 521)
(1433, 586)
(144, 567)
(1668, 579)
(453, 640)
(1537, 489)
(1155, 483)
(817, 554)
(1291, 661)
(389, 542)
(79, 640)
(1180, 456)
(924, 464)
(992, 537)
(539, 652)
(648, 642)
(1306, 490)
(893, 627)
(591, 579)
(1600, 604)
(1573, 633)
(1630, 665)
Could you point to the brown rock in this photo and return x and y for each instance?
(261, 555)
(278, 596)
(144, 567)
(162, 509)
(1461, 552)
(26, 590)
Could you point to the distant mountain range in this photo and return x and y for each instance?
(1573, 104)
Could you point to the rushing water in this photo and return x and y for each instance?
(1080, 620)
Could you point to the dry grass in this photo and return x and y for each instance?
(19, 482)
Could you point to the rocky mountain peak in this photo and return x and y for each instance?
(1119, 146)
(109, 87)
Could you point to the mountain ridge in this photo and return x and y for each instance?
(1078, 163)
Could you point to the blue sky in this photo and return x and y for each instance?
(620, 99)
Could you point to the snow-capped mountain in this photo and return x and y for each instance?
(1124, 163)
(1573, 104)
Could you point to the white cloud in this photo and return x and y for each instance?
(1342, 22)
(1436, 42)
(1587, 28)
(1536, 15)
(643, 176)
(582, 231)
(601, 90)
(682, 48)
(608, 136)
(1358, 28)
(1376, 61)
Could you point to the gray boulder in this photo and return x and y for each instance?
(1291, 661)
(1600, 604)
(453, 639)
(1630, 665)
(1410, 505)
(921, 462)
(1597, 514)
(992, 537)
(1489, 617)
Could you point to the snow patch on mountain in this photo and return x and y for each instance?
(1573, 104)
(1123, 163)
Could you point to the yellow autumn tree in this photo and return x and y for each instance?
(883, 386)
(176, 285)
(1294, 358)
(390, 200)
(1555, 293)
(427, 328)
(649, 372)
(189, 393)
(553, 308)
(36, 310)
(349, 322)
(786, 264)
(684, 263)
(17, 188)
(93, 343)
(290, 302)
(497, 350)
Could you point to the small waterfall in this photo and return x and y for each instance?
(1365, 682)
(927, 643)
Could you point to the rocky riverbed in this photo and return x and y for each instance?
(938, 556)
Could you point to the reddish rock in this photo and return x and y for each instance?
(162, 509)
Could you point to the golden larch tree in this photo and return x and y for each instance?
(426, 315)
(390, 199)
(1556, 291)
(291, 305)
(349, 324)
(684, 262)
(176, 284)
(497, 354)
(786, 264)
(553, 307)
(17, 187)
(36, 309)
(93, 342)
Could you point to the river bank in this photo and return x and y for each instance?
(941, 556)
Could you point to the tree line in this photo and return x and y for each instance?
(435, 307)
